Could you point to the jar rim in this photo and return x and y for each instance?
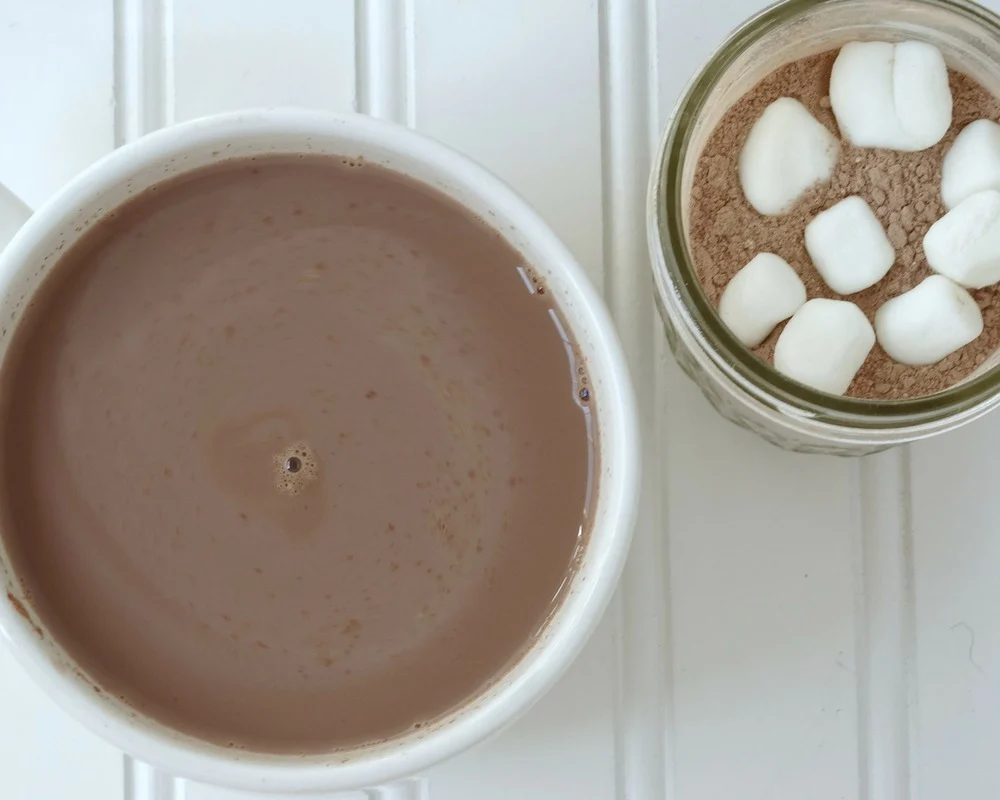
(678, 263)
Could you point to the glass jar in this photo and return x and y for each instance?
(741, 386)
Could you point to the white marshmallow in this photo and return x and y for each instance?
(964, 244)
(759, 296)
(786, 152)
(891, 95)
(848, 246)
(929, 322)
(824, 345)
(921, 93)
(973, 162)
(861, 94)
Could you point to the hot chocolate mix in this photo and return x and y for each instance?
(902, 188)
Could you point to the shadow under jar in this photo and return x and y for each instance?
(741, 386)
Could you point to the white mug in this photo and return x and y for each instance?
(133, 168)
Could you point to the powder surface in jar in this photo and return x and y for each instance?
(902, 188)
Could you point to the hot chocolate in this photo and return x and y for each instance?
(296, 454)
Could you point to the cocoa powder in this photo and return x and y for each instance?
(902, 188)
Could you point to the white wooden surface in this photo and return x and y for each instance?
(789, 627)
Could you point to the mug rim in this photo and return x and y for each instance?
(589, 587)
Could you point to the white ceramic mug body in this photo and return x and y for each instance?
(176, 150)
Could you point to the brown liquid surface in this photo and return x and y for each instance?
(292, 456)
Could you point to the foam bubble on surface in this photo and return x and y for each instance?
(295, 468)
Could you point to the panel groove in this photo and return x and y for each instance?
(885, 628)
(143, 782)
(143, 71)
(143, 88)
(628, 135)
(384, 53)
(409, 789)
(384, 75)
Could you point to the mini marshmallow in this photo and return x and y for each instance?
(786, 152)
(891, 95)
(921, 92)
(964, 244)
(929, 322)
(759, 296)
(973, 162)
(848, 246)
(824, 345)
(861, 94)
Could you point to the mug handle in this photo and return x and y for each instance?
(13, 214)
